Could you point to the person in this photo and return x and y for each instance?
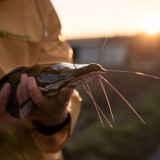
(28, 31)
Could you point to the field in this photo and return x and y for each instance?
(129, 139)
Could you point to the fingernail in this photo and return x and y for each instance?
(30, 82)
(23, 76)
(6, 88)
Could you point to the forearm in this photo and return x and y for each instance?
(54, 142)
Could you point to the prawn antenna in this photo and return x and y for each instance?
(98, 109)
(137, 73)
(101, 51)
(106, 96)
(64, 54)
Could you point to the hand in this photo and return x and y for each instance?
(49, 111)
(5, 118)
(4, 97)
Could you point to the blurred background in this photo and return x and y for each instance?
(132, 29)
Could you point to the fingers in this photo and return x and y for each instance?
(19, 95)
(28, 88)
(4, 96)
(35, 92)
(24, 87)
(24, 93)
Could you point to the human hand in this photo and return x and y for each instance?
(49, 111)
(5, 118)
(4, 97)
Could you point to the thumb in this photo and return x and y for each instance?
(4, 97)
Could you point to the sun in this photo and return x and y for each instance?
(151, 25)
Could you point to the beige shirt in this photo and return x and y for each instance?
(29, 30)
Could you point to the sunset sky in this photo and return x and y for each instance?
(90, 18)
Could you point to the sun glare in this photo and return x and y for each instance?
(151, 25)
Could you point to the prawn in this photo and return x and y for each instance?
(51, 78)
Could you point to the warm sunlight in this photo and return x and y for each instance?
(152, 25)
(103, 18)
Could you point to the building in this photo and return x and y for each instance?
(134, 52)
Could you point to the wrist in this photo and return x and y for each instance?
(51, 118)
(51, 129)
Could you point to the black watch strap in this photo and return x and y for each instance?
(49, 130)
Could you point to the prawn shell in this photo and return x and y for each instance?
(48, 75)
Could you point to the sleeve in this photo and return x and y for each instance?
(2, 72)
(56, 50)
(55, 142)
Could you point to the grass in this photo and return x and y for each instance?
(129, 139)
